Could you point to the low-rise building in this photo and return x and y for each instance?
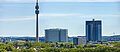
(79, 40)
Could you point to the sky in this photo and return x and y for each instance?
(61, 0)
(17, 17)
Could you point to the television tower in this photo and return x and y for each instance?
(37, 29)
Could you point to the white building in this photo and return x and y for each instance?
(79, 40)
(56, 35)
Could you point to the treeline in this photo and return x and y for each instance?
(54, 47)
(97, 49)
(116, 43)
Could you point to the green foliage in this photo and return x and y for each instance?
(1, 44)
(9, 43)
(31, 50)
(105, 49)
(27, 50)
(7, 47)
(65, 50)
(15, 43)
(118, 50)
(16, 50)
(56, 47)
(28, 44)
(23, 50)
(115, 43)
(79, 46)
(3, 50)
(74, 50)
(104, 40)
(51, 49)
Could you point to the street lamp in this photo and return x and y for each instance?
(37, 29)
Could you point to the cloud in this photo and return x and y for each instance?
(58, 15)
(62, 0)
(77, 14)
(17, 0)
(55, 14)
(17, 19)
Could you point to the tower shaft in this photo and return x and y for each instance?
(37, 26)
(37, 29)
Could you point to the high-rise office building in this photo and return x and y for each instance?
(93, 30)
(56, 35)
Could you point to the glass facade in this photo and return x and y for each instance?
(93, 30)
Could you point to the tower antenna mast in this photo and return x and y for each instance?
(37, 29)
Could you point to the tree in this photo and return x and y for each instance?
(23, 50)
(3, 50)
(104, 40)
(74, 50)
(65, 50)
(1, 44)
(31, 50)
(4, 40)
(118, 50)
(9, 48)
(16, 50)
(15, 43)
(27, 50)
(28, 44)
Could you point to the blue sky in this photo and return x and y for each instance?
(17, 18)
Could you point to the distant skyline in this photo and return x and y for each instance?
(17, 18)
